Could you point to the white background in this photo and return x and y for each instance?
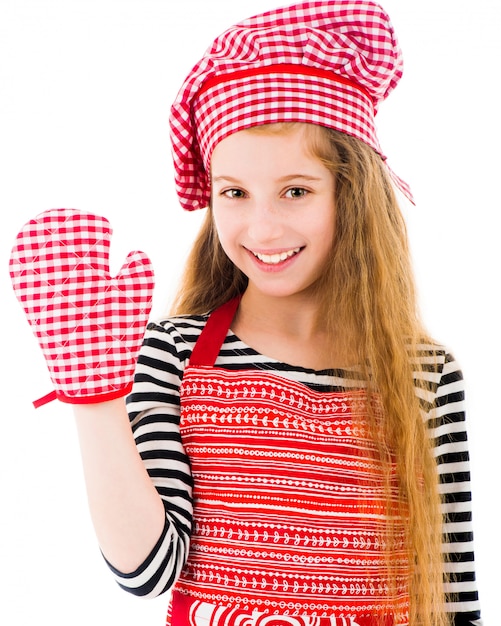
(85, 89)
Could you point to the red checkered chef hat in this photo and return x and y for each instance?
(327, 62)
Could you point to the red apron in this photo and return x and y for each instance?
(289, 502)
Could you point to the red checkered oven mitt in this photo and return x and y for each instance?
(89, 325)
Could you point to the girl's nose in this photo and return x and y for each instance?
(265, 224)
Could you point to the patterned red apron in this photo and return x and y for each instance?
(289, 502)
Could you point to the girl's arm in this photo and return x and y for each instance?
(137, 474)
(448, 429)
(126, 509)
(143, 512)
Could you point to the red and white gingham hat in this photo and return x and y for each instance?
(326, 62)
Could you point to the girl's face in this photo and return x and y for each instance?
(273, 206)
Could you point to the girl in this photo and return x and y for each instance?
(289, 419)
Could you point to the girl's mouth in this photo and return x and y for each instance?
(277, 257)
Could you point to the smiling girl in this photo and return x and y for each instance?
(293, 450)
(274, 214)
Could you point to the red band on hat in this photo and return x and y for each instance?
(282, 68)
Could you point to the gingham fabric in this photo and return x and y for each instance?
(326, 63)
(89, 325)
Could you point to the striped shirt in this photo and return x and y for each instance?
(154, 411)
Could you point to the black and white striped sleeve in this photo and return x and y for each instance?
(154, 409)
(447, 427)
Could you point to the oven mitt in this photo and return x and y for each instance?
(90, 325)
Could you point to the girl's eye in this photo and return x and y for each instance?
(296, 192)
(233, 193)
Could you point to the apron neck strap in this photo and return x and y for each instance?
(213, 334)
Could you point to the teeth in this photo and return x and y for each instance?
(273, 259)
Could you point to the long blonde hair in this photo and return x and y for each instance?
(367, 293)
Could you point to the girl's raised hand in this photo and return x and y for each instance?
(89, 324)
